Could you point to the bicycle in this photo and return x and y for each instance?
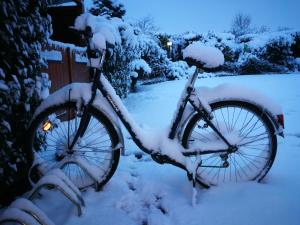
(215, 142)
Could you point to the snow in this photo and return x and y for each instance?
(19, 215)
(134, 74)
(140, 64)
(143, 192)
(153, 140)
(2, 74)
(102, 27)
(66, 4)
(180, 69)
(52, 55)
(59, 173)
(55, 180)
(209, 56)
(3, 87)
(79, 93)
(238, 92)
(99, 41)
(92, 170)
(79, 58)
(261, 40)
(28, 206)
(58, 44)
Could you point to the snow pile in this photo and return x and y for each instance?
(81, 58)
(239, 92)
(179, 69)
(256, 41)
(102, 28)
(52, 55)
(209, 56)
(61, 175)
(27, 206)
(43, 85)
(140, 64)
(15, 214)
(61, 45)
(75, 92)
(99, 41)
(143, 192)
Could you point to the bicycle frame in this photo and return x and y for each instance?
(198, 128)
(188, 96)
(101, 83)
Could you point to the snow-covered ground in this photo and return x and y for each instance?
(144, 193)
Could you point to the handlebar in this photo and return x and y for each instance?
(92, 52)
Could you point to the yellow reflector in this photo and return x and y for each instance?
(47, 126)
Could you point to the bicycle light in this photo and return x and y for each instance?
(280, 119)
(47, 126)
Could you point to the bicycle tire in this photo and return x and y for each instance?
(49, 147)
(239, 125)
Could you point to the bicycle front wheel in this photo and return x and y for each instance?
(243, 125)
(52, 132)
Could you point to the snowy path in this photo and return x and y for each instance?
(144, 193)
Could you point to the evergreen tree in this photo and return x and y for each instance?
(24, 27)
(108, 8)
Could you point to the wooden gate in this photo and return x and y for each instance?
(66, 64)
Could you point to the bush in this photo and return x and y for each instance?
(251, 64)
(178, 70)
(278, 52)
(295, 48)
(24, 27)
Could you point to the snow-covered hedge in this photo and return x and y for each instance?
(24, 27)
(251, 53)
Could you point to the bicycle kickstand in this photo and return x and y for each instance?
(192, 171)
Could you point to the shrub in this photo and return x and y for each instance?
(251, 64)
(278, 52)
(24, 27)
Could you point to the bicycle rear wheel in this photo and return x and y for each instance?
(52, 132)
(245, 126)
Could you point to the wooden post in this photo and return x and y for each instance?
(69, 61)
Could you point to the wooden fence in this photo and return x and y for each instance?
(66, 64)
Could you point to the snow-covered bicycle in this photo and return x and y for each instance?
(219, 135)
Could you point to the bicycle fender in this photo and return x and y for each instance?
(80, 93)
(230, 92)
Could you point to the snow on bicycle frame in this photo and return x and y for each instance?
(164, 146)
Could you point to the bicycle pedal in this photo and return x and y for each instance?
(225, 164)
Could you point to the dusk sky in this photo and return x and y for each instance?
(177, 16)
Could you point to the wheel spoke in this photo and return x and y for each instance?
(245, 124)
(95, 147)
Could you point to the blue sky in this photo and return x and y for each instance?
(177, 16)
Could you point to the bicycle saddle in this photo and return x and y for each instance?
(203, 56)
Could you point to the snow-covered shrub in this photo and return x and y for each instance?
(117, 71)
(136, 51)
(141, 67)
(270, 51)
(24, 27)
(278, 52)
(250, 64)
(178, 70)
